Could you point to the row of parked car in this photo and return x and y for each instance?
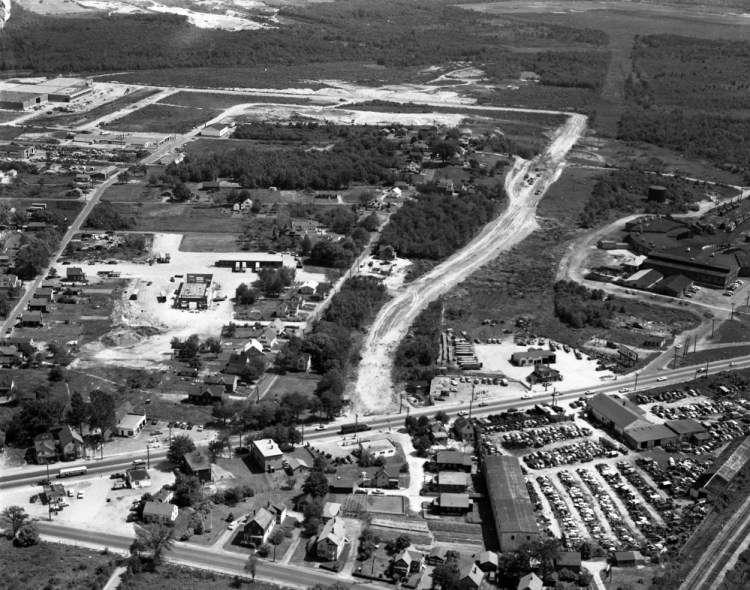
(677, 478)
(568, 525)
(586, 512)
(185, 426)
(698, 410)
(580, 452)
(540, 437)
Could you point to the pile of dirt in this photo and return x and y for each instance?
(128, 335)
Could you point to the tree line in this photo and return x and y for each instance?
(579, 307)
(416, 354)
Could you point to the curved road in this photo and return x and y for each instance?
(510, 228)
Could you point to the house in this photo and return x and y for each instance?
(196, 463)
(207, 394)
(488, 561)
(471, 578)
(71, 443)
(7, 384)
(45, 448)
(258, 528)
(164, 495)
(159, 512)
(464, 430)
(9, 356)
(569, 560)
(344, 485)
(301, 502)
(238, 361)
(628, 558)
(9, 282)
(211, 186)
(31, 319)
(267, 455)
(268, 337)
(437, 556)
(387, 252)
(75, 274)
(278, 510)
(444, 186)
(451, 482)
(47, 295)
(452, 461)
(439, 435)
(530, 582)
(308, 288)
(130, 425)
(452, 503)
(228, 382)
(544, 374)
(331, 510)
(409, 561)
(246, 205)
(303, 362)
(38, 305)
(331, 540)
(216, 130)
(382, 479)
(138, 477)
(295, 466)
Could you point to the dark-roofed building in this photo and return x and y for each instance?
(452, 461)
(31, 319)
(228, 382)
(544, 374)
(75, 274)
(569, 560)
(345, 485)
(512, 510)
(723, 470)
(686, 428)
(197, 464)
(71, 443)
(615, 411)
(674, 285)
(712, 271)
(206, 394)
(258, 528)
(437, 556)
(138, 477)
(533, 356)
(649, 436)
(452, 503)
(45, 448)
(628, 558)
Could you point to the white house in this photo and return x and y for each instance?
(216, 130)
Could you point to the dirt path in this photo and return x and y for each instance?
(510, 228)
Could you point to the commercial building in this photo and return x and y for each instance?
(649, 436)
(452, 503)
(685, 429)
(56, 89)
(195, 292)
(533, 356)
(130, 425)
(509, 499)
(216, 130)
(16, 151)
(544, 374)
(252, 262)
(378, 448)
(14, 100)
(453, 482)
(674, 286)
(710, 269)
(267, 454)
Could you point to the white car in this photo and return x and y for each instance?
(526, 396)
(320, 427)
(732, 364)
(463, 413)
(624, 389)
(661, 378)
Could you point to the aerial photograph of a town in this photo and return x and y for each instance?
(375, 294)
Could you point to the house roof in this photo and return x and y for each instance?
(138, 474)
(675, 283)
(509, 497)
(726, 466)
(488, 557)
(220, 379)
(473, 574)
(453, 458)
(267, 448)
(452, 478)
(262, 518)
(333, 531)
(530, 582)
(409, 555)
(628, 556)
(440, 552)
(569, 559)
(619, 411)
(215, 391)
(454, 500)
(294, 463)
(158, 509)
(197, 461)
(68, 435)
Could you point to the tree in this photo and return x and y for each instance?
(547, 552)
(305, 246)
(255, 367)
(366, 458)
(371, 222)
(156, 538)
(102, 410)
(296, 402)
(446, 575)
(181, 192)
(276, 538)
(367, 544)
(223, 412)
(215, 449)
(187, 490)
(442, 416)
(316, 484)
(444, 149)
(212, 345)
(57, 374)
(78, 413)
(251, 565)
(245, 295)
(27, 535)
(181, 445)
(15, 517)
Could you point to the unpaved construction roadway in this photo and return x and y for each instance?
(374, 387)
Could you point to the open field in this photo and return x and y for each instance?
(702, 357)
(221, 101)
(157, 118)
(182, 217)
(74, 568)
(135, 191)
(736, 330)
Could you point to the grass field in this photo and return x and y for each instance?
(200, 242)
(135, 191)
(51, 565)
(181, 217)
(76, 119)
(156, 118)
(565, 199)
(736, 330)
(714, 354)
(221, 101)
(172, 577)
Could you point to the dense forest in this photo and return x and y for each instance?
(625, 191)
(416, 354)
(435, 226)
(366, 160)
(690, 95)
(390, 33)
(579, 307)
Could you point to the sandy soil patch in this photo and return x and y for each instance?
(576, 374)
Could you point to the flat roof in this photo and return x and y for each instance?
(533, 353)
(131, 421)
(267, 447)
(685, 426)
(454, 500)
(452, 478)
(194, 290)
(158, 509)
(509, 497)
(197, 461)
(649, 433)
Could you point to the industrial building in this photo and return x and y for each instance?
(16, 151)
(195, 292)
(23, 94)
(533, 356)
(252, 262)
(723, 470)
(511, 506)
(12, 100)
(705, 268)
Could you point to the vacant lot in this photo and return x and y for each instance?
(50, 565)
(181, 217)
(135, 191)
(157, 118)
(172, 577)
(715, 354)
(77, 119)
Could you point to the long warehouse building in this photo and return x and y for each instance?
(511, 505)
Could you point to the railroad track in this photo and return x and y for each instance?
(710, 569)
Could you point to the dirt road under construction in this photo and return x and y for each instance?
(374, 387)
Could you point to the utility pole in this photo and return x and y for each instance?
(471, 402)
(713, 324)
(554, 396)
(636, 381)
(732, 316)
(675, 358)
(706, 369)
(49, 503)
(148, 456)
(695, 343)
(400, 402)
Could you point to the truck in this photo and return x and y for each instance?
(354, 427)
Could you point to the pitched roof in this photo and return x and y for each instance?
(685, 426)
(262, 518)
(617, 410)
(220, 379)
(334, 531)
(158, 509)
(453, 458)
(473, 574)
(509, 496)
(651, 432)
(331, 509)
(569, 559)
(68, 435)
(488, 557)
(530, 582)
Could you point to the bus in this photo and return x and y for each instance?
(354, 427)
(71, 471)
